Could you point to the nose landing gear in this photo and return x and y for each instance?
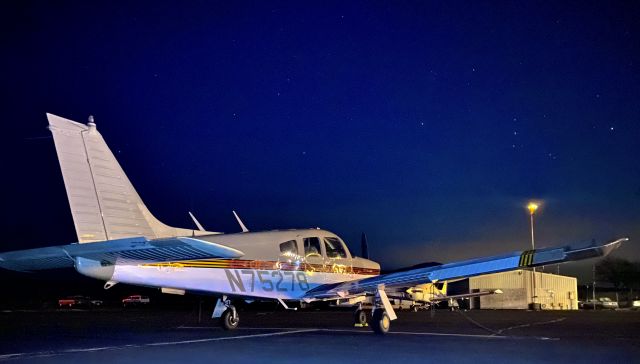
(229, 318)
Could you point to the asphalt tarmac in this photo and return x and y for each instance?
(175, 336)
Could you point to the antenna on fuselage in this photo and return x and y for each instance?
(364, 246)
(196, 221)
(244, 228)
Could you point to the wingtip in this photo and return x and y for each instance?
(613, 245)
(617, 242)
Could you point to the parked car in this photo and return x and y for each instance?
(96, 302)
(599, 304)
(78, 301)
(632, 304)
(135, 300)
(73, 301)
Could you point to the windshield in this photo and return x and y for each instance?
(334, 248)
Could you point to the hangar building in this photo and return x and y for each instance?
(552, 291)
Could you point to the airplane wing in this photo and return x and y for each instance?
(451, 297)
(123, 250)
(468, 268)
(438, 299)
(466, 295)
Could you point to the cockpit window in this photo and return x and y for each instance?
(289, 248)
(312, 247)
(334, 248)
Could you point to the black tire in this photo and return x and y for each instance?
(360, 318)
(380, 322)
(228, 323)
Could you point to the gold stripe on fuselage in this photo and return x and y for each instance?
(264, 265)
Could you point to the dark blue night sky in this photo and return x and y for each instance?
(428, 126)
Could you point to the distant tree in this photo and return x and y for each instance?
(621, 273)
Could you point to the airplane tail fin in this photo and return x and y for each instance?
(104, 204)
(444, 288)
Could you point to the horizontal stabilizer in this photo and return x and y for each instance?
(124, 251)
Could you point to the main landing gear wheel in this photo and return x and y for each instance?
(360, 318)
(380, 322)
(230, 319)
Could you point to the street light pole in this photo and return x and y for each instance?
(593, 297)
(532, 209)
(533, 241)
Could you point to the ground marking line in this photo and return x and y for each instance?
(423, 333)
(532, 324)
(280, 333)
(70, 351)
(479, 336)
(229, 338)
(215, 328)
(492, 336)
(9, 356)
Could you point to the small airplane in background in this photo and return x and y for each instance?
(120, 241)
(424, 296)
(420, 297)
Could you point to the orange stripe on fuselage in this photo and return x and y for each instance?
(264, 265)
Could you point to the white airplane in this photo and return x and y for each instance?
(120, 241)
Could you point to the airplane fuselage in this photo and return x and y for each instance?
(283, 264)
